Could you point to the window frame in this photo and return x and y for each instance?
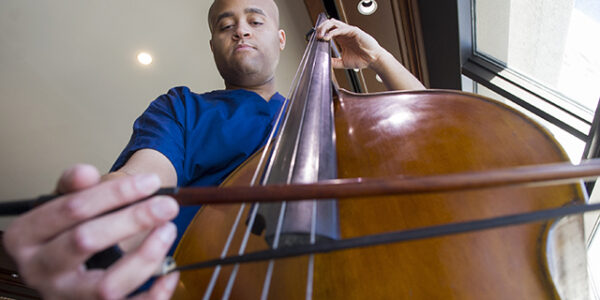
(544, 102)
(450, 25)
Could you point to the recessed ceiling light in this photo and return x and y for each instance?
(367, 7)
(144, 58)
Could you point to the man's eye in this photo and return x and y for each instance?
(225, 27)
(256, 23)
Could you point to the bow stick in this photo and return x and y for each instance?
(360, 187)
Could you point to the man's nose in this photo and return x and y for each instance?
(242, 31)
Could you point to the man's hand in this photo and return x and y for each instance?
(360, 50)
(52, 242)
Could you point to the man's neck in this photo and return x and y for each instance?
(266, 90)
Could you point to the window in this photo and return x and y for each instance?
(542, 56)
(550, 43)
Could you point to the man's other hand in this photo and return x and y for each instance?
(51, 243)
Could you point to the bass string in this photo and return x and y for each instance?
(236, 268)
(268, 276)
(313, 239)
(217, 270)
(281, 217)
(311, 258)
(265, 153)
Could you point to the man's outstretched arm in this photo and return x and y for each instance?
(360, 50)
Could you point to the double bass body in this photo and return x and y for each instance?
(411, 134)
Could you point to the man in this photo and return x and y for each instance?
(51, 243)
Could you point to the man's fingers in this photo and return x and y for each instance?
(162, 288)
(337, 63)
(322, 31)
(332, 28)
(77, 178)
(78, 244)
(325, 27)
(136, 267)
(44, 223)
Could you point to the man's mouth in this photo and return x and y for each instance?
(242, 47)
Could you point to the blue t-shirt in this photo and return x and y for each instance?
(205, 136)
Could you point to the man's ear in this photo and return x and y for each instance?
(211, 46)
(281, 34)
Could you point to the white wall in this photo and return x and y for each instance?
(70, 86)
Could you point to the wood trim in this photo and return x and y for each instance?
(410, 37)
(404, 40)
(314, 8)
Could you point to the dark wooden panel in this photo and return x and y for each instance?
(380, 25)
(441, 39)
(395, 25)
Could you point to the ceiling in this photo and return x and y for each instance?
(70, 85)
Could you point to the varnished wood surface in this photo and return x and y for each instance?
(411, 134)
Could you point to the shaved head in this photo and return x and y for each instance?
(246, 41)
(267, 7)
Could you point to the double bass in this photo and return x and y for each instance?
(410, 135)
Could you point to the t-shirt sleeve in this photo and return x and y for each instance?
(160, 127)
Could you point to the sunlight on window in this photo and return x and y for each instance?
(580, 70)
(550, 42)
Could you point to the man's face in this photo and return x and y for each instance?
(246, 40)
